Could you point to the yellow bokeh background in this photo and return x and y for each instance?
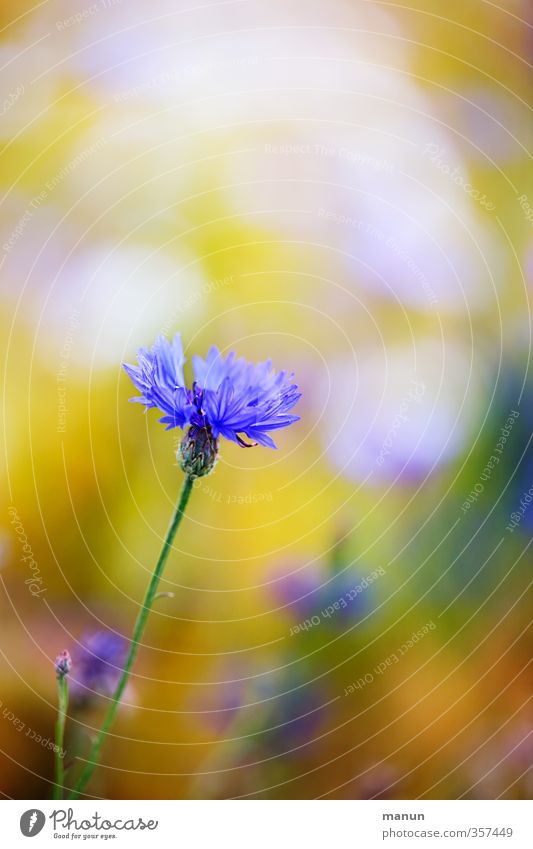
(217, 171)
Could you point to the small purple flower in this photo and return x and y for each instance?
(278, 710)
(99, 664)
(229, 397)
(315, 591)
(63, 664)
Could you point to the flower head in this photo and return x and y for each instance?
(99, 665)
(63, 664)
(229, 397)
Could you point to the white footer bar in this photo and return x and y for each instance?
(269, 824)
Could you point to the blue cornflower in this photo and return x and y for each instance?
(229, 397)
(99, 664)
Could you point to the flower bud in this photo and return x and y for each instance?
(198, 452)
(63, 664)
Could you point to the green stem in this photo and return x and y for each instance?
(94, 754)
(62, 698)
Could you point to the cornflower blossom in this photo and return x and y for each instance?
(229, 397)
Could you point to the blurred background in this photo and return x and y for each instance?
(344, 187)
